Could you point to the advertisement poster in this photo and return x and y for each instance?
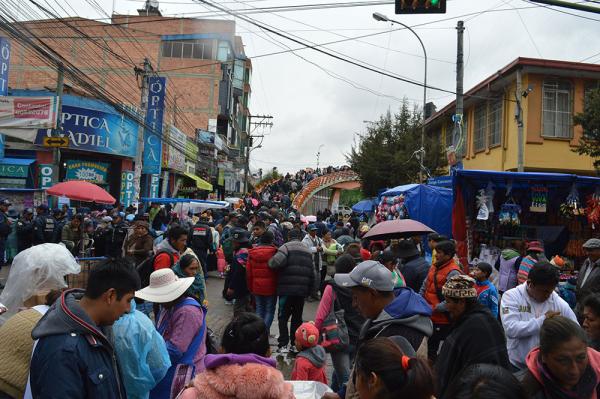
(93, 172)
(28, 112)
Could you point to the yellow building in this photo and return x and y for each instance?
(551, 93)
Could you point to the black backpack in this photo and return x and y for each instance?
(146, 268)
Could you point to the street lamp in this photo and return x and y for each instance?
(319, 155)
(380, 17)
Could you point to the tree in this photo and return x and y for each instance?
(388, 154)
(589, 120)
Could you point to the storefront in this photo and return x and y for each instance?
(496, 210)
(102, 144)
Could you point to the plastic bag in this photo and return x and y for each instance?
(141, 351)
(309, 389)
(39, 268)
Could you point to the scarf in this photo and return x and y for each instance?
(583, 390)
(196, 290)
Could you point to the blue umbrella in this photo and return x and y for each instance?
(364, 206)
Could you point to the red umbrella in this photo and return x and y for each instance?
(400, 228)
(80, 190)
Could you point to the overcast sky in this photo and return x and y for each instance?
(310, 107)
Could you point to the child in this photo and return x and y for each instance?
(310, 361)
(244, 370)
(487, 295)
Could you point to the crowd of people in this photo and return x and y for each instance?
(397, 318)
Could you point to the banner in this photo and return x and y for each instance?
(96, 131)
(45, 177)
(154, 120)
(93, 172)
(154, 186)
(28, 112)
(4, 64)
(127, 188)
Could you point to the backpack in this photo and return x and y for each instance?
(146, 268)
(334, 331)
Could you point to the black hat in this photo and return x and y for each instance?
(406, 249)
(387, 256)
(240, 236)
(43, 207)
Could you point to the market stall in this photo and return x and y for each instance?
(496, 210)
(427, 204)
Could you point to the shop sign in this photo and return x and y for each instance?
(177, 138)
(221, 178)
(4, 64)
(173, 159)
(93, 172)
(28, 112)
(96, 131)
(154, 185)
(46, 173)
(10, 170)
(190, 167)
(191, 150)
(127, 188)
(154, 120)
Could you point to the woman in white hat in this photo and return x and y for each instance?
(181, 322)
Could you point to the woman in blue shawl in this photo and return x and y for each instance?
(189, 266)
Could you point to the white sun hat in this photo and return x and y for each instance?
(164, 287)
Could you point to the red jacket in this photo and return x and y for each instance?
(436, 278)
(163, 260)
(262, 280)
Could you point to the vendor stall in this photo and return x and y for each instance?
(496, 210)
(429, 205)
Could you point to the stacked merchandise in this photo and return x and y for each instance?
(391, 208)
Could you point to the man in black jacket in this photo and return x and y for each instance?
(115, 236)
(200, 240)
(43, 226)
(476, 336)
(588, 281)
(413, 266)
(295, 279)
(25, 230)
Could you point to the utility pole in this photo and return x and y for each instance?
(458, 133)
(137, 174)
(319, 155)
(59, 93)
(519, 118)
(249, 141)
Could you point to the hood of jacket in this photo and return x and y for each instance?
(165, 246)
(316, 355)
(66, 316)
(214, 361)
(509, 253)
(262, 253)
(408, 309)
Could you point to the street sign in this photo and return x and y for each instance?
(56, 142)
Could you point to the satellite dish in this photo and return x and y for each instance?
(153, 3)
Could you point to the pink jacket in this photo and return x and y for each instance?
(324, 306)
(233, 376)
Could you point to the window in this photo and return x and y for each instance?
(223, 51)
(479, 127)
(557, 114)
(201, 49)
(495, 123)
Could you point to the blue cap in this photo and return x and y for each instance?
(42, 206)
(312, 227)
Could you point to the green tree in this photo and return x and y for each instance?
(387, 155)
(589, 120)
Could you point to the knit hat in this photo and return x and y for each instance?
(461, 286)
(307, 335)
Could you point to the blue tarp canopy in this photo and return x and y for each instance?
(480, 178)
(429, 205)
(365, 206)
(217, 204)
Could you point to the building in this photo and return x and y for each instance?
(207, 90)
(551, 93)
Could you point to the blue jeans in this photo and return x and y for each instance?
(265, 308)
(342, 361)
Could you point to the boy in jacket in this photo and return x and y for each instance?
(74, 356)
(310, 361)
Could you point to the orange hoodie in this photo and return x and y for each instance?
(532, 365)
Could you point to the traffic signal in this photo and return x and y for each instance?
(420, 6)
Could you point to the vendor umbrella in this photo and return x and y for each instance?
(400, 228)
(80, 190)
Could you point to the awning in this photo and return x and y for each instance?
(200, 183)
(17, 161)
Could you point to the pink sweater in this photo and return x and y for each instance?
(324, 306)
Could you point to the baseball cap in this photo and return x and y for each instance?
(5, 202)
(369, 274)
(312, 227)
